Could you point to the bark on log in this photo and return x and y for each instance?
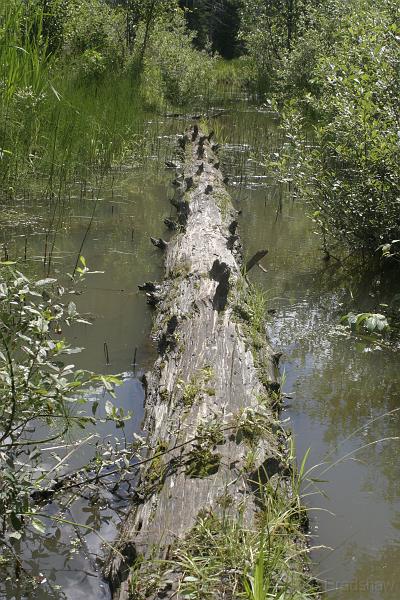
(207, 372)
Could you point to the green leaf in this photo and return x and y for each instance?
(16, 522)
(38, 525)
(109, 408)
(72, 309)
(47, 281)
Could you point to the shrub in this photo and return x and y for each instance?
(91, 64)
(172, 69)
(351, 172)
(95, 31)
(41, 397)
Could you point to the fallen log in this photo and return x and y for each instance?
(210, 411)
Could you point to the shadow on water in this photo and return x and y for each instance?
(336, 383)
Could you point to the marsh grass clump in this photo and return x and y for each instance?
(221, 557)
(58, 126)
(76, 79)
(251, 308)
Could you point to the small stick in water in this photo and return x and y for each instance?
(134, 362)
(106, 355)
(255, 259)
(45, 250)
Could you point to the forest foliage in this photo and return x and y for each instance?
(333, 68)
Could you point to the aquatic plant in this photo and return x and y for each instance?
(42, 397)
(220, 555)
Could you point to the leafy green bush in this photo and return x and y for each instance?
(358, 144)
(95, 33)
(41, 395)
(92, 64)
(350, 173)
(172, 69)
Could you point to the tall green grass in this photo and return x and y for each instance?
(221, 557)
(55, 125)
(61, 124)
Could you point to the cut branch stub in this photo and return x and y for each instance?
(255, 259)
(159, 243)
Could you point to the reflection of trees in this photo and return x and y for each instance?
(376, 576)
(343, 387)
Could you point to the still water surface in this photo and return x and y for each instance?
(337, 385)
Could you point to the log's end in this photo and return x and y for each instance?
(159, 243)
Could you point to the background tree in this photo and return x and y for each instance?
(216, 23)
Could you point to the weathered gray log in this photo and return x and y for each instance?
(207, 372)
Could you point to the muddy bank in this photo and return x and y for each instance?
(216, 449)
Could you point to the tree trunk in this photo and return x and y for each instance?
(213, 366)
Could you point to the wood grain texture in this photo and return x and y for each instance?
(206, 372)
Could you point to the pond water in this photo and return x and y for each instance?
(338, 386)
